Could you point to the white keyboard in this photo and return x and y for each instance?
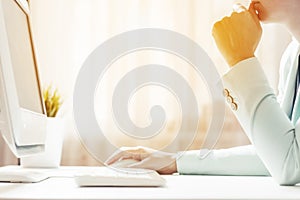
(105, 176)
(85, 176)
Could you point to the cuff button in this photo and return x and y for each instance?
(229, 99)
(225, 93)
(234, 106)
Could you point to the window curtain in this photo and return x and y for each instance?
(66, 32)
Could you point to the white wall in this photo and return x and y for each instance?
(65, 32)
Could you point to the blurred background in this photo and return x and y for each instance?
(66, 32)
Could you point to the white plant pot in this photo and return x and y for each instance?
(51, 157)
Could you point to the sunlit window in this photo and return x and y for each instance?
(66, 32)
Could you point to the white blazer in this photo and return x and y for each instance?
(275, 138)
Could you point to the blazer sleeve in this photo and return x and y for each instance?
(241, 160)
(273, 135)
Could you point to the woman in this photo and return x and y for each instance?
(273, 128)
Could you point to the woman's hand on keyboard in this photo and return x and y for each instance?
(162, 162)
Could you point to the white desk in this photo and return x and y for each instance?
(178, 187)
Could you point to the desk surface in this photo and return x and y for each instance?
(177, 187)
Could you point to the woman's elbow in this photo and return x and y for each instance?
(290, 173)
(287, 181)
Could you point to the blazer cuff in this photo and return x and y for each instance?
(245, 85)
(237, 161)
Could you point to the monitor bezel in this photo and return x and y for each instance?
(14, 119)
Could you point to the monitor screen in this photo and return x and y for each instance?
(22, 56)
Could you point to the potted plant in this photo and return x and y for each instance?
(52, 101)
(51, 157)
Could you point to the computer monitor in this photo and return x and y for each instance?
(22, 111)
